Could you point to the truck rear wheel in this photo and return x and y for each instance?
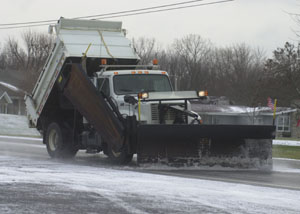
(119, 157)
(59, 141)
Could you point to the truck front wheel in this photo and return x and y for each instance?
(59, 141)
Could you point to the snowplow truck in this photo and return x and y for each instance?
(93, 95)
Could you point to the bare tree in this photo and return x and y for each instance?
(171, 62)
(283, 70)
(37, 48)
(28, 57)
(145, 48)
(237, 72)
(195, 63)
(3, 59)
(15, 54)
(194, 52)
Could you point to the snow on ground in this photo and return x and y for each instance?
(137, 192)
(286, 142)
(16, 125)
(34, 139)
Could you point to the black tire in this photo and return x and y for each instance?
(59, 142)
(121, 157)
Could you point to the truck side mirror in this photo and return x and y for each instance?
(130, 99)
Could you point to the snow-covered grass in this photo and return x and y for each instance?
(286, 142)
(16, 125)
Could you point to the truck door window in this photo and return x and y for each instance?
(103, 85)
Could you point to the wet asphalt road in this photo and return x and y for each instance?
(257, 178)
(23, 198)
(286, 173)
(18, 197)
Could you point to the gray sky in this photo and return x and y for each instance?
(259, 23)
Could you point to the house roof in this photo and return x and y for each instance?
(5, 97)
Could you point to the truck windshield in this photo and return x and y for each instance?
(135, 83)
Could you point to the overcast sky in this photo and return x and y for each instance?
(259, 23)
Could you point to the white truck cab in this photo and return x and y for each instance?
(118, 84)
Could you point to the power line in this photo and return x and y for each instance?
(141, 9)
(169, 9)
(107, 14)
(115, 14)
(25, 26)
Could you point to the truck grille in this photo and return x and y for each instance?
(169, 116)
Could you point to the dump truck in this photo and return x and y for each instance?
(93, 95)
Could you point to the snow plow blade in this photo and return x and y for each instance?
(242, 146)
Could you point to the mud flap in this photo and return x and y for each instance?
(193, 145)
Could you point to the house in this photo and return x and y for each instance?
(11, 101)
(287, 120)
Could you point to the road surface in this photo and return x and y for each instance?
(30, 182)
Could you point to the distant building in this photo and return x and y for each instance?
(11, 102)
(5, 100)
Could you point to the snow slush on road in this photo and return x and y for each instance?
(35, 185)
(103, 100)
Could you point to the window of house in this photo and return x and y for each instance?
(283, 123)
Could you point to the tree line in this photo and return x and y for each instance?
(26, 57)
(241, 73)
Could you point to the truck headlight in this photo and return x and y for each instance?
(143, 95)
(202, 93)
